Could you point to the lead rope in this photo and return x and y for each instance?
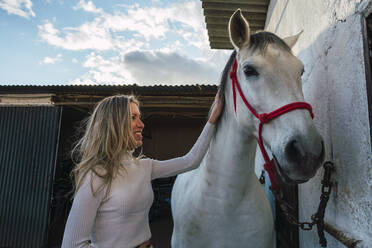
(318, 217)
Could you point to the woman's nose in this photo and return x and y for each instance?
(140, 123)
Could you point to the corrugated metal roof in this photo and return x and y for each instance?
(111, 89)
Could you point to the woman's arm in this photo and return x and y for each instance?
(82, 216)
(187, 162)
(194, 157)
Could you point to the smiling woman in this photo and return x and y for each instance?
(113, 192)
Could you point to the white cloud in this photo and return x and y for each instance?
(155, 22)
(60, 2)
(146, 24)
(75, 61)
(88, 7)
(130, 34)
(168, 68)
(103, 71)
(87, 36)
(50, 60)
(18, 7)
(147, 68)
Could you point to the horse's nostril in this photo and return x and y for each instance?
(294, 151)
(298, 147)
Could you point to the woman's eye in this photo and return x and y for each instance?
(250, 71)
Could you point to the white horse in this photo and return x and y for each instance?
(222, 204)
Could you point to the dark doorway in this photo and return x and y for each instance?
(62, 185)
(287, 235)
(165, 138)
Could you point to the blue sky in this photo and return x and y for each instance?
(148, 42)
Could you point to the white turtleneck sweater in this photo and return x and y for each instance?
(121, 220)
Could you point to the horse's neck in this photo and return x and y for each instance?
(230, 163)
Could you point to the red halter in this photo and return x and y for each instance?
(265, 118)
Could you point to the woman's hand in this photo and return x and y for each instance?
(216, 108)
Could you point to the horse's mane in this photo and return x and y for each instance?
(258, 41)
(225, 73)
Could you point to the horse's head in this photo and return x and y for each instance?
(269, 76)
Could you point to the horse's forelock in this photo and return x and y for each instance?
(260, 40)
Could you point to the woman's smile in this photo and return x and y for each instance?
(137, 124)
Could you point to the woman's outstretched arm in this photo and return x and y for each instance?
(194, 157)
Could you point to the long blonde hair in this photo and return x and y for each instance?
(106, 141)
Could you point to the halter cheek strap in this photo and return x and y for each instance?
(265, 118)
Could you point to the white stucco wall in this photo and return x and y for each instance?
(334, 82)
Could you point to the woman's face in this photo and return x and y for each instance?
(137, 124)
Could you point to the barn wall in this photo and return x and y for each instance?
(334, 82)
(28, 145)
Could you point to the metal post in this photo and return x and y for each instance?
(341, 236)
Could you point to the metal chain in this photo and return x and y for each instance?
(318, 217)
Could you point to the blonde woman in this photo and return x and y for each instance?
(113, 192)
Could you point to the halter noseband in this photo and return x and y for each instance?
(265, 118)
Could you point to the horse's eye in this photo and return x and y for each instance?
(250, 71)
(303, 71)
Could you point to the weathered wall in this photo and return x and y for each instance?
(334, 82)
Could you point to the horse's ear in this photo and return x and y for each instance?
(291, 40)
(239, 31)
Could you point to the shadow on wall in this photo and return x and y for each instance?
(335, 84)
(272, 6)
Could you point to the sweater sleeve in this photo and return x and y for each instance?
(187, 162)
(82, 216)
